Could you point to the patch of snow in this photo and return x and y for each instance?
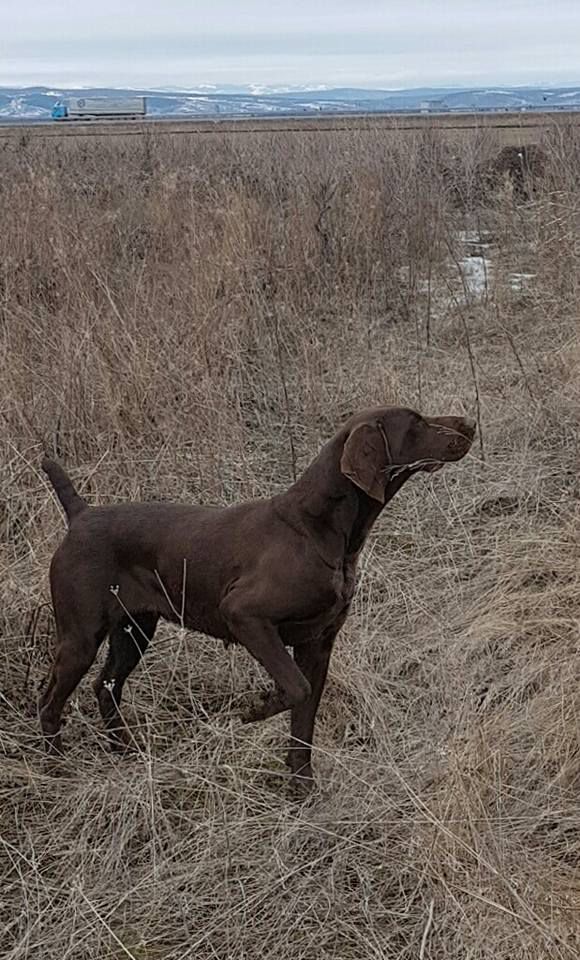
(474, 237)
(18, 107)
(520, 282)
(260, 89)
(475, 272)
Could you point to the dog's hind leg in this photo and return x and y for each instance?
(128, 642)
(75, 651)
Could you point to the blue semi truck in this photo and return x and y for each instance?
(100, 108)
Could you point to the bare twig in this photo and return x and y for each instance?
(425, 936)
(282, 373)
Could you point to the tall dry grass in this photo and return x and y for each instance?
(189, 318)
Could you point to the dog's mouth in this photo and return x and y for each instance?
(425, 466)
(418, 466)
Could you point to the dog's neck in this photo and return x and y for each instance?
(369, 510)
(330, 508)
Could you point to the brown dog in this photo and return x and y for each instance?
(267, 574)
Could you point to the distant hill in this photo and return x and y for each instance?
(35, 103)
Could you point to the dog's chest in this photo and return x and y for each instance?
(339, 599)
(348, 584)
(332, 606)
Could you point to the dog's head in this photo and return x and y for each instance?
(386, 441)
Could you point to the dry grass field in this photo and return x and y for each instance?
(190, 319)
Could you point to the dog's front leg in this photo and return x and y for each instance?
(260, 636)
(313, 658)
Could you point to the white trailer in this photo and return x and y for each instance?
(100, 108)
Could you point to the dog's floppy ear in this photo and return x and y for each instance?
(364, 460)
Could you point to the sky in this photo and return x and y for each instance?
(372, 43)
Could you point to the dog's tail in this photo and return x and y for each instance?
(72, 502)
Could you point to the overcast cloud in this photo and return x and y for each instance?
(381, 43)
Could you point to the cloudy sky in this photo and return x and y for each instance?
(381, 43)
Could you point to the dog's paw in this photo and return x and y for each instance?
(57, 766)
(302, 785)
(255, 710)
(262, 706)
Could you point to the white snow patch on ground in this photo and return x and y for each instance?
(478, 238)
(520, 282)
(475, 272)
